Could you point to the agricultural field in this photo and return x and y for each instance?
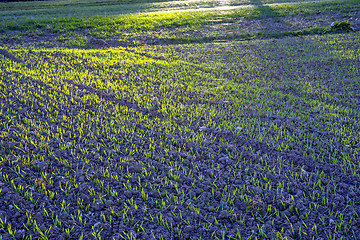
(237, 123)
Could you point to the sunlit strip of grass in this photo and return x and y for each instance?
(157, 4)
(6, 6)
(175, 19)
(49, 9)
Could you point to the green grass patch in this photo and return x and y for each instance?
(175, 19)
(49, 9)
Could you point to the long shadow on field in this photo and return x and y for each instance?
(266, 10)
(266, 14)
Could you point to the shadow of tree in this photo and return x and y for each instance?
(268, 13)
(264, 10)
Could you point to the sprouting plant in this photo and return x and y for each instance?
(97, 233)
(79, 218)
(29, 221)
(144, 195)
(44, 235)
(102, 217)
(314, 228)
(10, 230)
(64, 206)
(126, 236)
(55, 220)
(3, 223)
(68, 231)
(216, 221)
